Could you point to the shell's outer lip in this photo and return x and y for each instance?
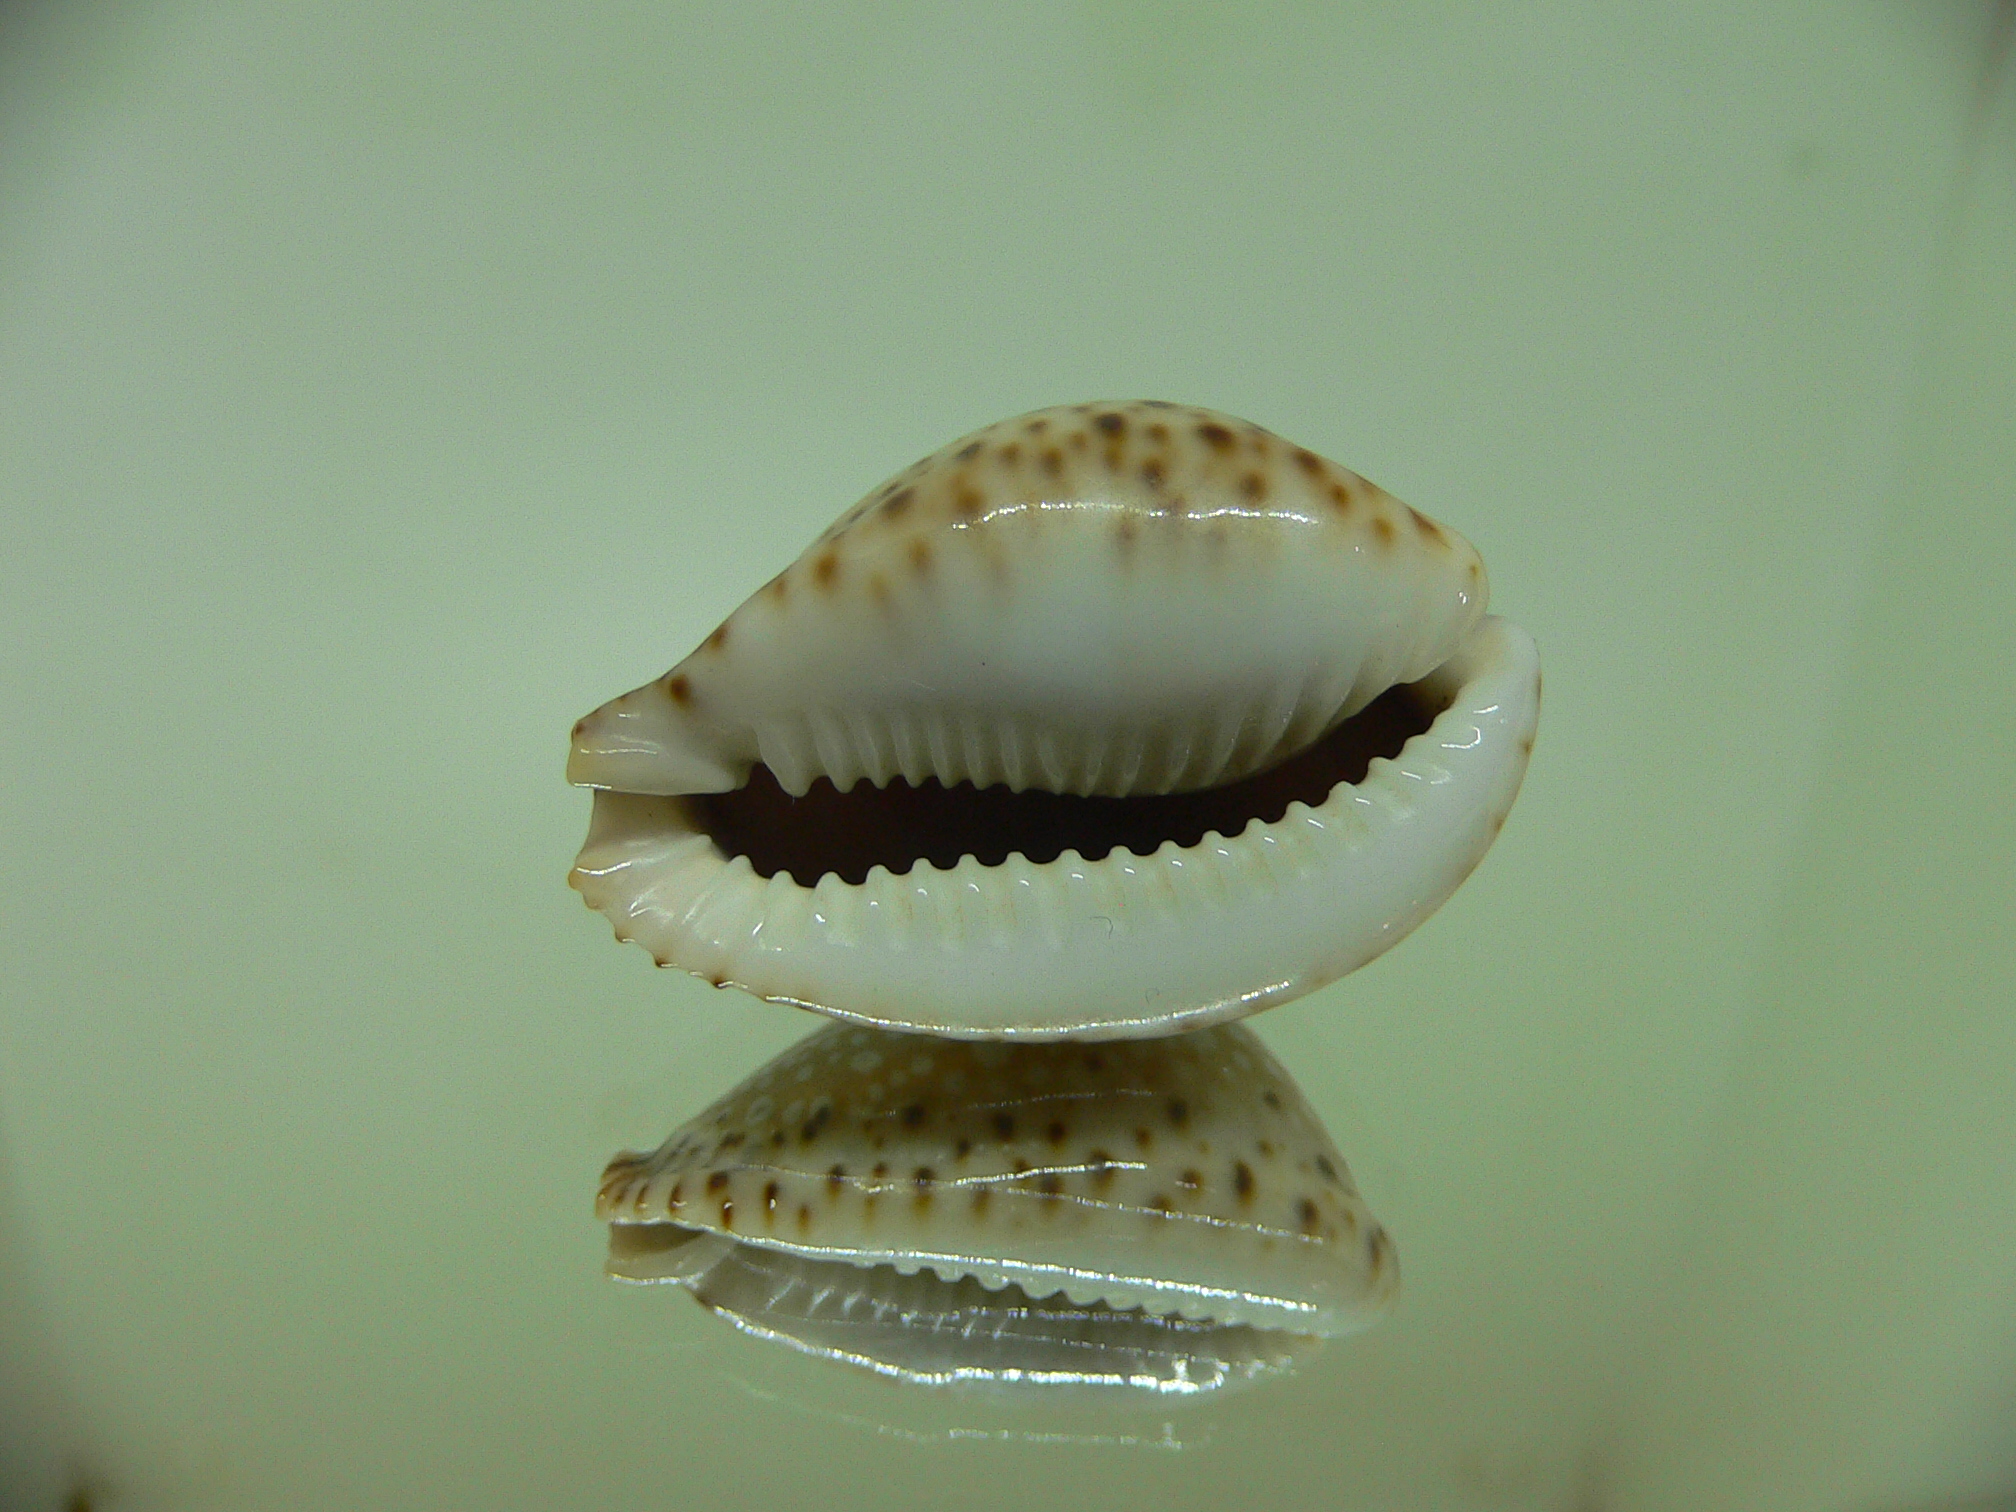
(1123, 947)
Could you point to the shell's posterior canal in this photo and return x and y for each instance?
(1105, 721)
(1155, 1215)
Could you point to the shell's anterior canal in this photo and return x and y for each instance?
(1165, 1214)
(848, 834)
(1107, 721)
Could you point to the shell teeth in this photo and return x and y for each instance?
(838, 759)
(836, 910)
(1216, 745)
(786, 746)
(977, 905)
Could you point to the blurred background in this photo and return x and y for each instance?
(383, 385)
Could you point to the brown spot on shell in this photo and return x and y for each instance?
(898, 503)
(980, 1196)
(1179, 1112)
(826, 569)
(719, 638)
(967, 500)
(1309, 462)
(881, 1170)
(1056, 1132)
(680, 689)
(1215, 436)
(1111, 424)
(1004, 1125)
(834, 1178)
(1428, 527)
(1052, 461)
(1307, 1215)
(1340, 495)
(1254, 486)
(1158, 433)
(1101, 1168)
(1383, 528)
(770, 1199)
(1153, 474)
(963, 1148)
(677, 1197)
(727, 1212)
(878, 589)
(920, 555)
(1161, 1205)
(717, 1181)
(1144, 1138)
(1011, 454)
(913, 1115)
(1050, 1184)
(1375, 1248)
(1127, 531)
(1272, 1099)
(1242, 1180)
(779, 587)
(1192, 1180)
(804, 1219)
(1327, 1170)
(1037, 426)
(968, 452)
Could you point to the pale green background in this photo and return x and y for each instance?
(382, 385)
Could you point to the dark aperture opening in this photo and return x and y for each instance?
(898, 825)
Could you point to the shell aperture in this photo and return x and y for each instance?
(1166, 1215)
(1105, 721)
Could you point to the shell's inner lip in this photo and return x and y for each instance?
(899, 825)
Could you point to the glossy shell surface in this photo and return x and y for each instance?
(1165, 1214)
(1099, 602)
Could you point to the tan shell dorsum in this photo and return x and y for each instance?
(1257, 721)
(1156, 1213)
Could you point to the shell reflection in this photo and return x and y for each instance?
(1162, 1215)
